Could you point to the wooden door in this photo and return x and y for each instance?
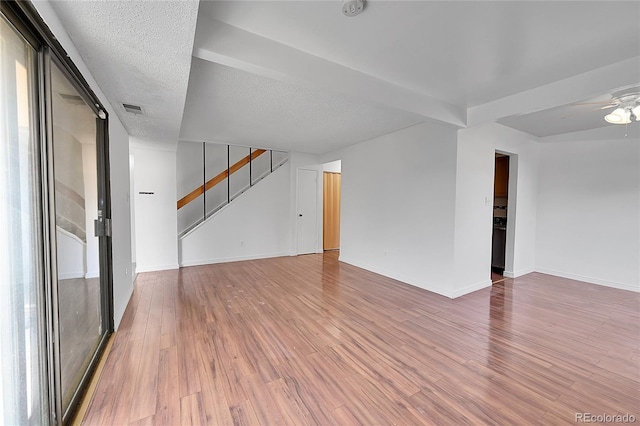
(331, 211)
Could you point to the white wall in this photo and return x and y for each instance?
(397, 205)
(474, 204)
(119, 160)
(589, 210)
(255, 225)
(332, 167)
(132, 205)
(155, 216)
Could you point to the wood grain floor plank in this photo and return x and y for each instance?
(192, 411)
(124, 384)
(102, 401)
(212, 378)
(243, 414)
(168, 403)
(188, 377)
(288, 403)
(310, 340)
(147, 421)
(343, 416)
(265, 407)
(146, 389)
(168, 319)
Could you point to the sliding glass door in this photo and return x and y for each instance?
(80, 325)
(23, 385)
(55, 252)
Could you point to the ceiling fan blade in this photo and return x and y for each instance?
(592, 103)
(585, 111)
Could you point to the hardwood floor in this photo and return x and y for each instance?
(309, 340)
(496, 277)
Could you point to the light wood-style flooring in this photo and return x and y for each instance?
(309, 340)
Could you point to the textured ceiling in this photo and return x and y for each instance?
(139, 52)
(240, 108)
(521, 63)
(299, 75)
(469, 52)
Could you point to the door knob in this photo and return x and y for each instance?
(299, 214)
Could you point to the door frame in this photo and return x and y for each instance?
(512, 193)
(318, 222)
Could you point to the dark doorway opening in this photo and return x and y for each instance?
(500, 208)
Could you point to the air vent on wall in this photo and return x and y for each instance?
(133, 109)
(72, 99)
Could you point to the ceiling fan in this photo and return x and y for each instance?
(626, 104)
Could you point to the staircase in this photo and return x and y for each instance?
(211, 176)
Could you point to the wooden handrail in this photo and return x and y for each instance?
(218, 178)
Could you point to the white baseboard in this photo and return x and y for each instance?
(154, 268)
(590, 280)
(516, 274)
(470, 289)
(232, 259)
(119, 308)
(93, 274)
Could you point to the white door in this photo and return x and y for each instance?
(307, 211)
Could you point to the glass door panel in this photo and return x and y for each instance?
(216, 163)
(260, 165)
(239, 178)
(190, 178)
(77, 248)
(23, 385)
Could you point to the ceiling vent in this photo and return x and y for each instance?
(133, 109)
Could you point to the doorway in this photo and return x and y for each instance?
(331, 181)
(499, 217)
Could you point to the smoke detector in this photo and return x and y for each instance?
(352, 7)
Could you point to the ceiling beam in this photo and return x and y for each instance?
(578, 88)
(231, 46)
